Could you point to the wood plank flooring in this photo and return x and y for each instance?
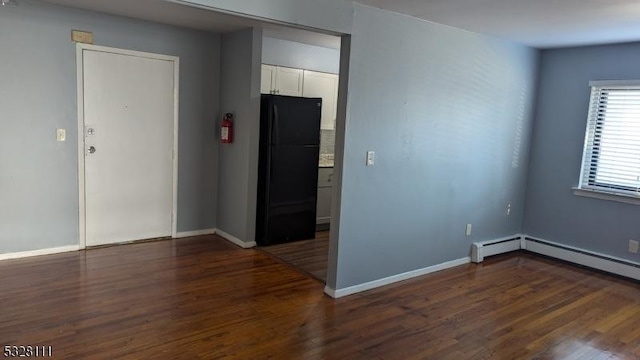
(203, 298)
(308, 256)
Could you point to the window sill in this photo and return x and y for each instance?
(627, 199)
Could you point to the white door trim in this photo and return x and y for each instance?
(81, 165)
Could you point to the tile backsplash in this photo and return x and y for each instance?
(327, 147)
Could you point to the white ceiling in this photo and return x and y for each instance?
(537, 23)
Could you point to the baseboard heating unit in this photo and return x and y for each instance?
(494, 247)
(571, 254)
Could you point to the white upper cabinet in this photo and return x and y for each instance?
(288, 81)
(297, 82)
(268, 82)
(325, 86)
(281, 80)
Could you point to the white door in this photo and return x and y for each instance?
(288, 81)
(129, 120)
(325, 86)
(267, 84)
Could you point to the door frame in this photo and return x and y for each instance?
(80, 48)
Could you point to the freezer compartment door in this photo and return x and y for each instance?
(294, 120)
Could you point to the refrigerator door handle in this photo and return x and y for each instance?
(274, 128)
(267, 198)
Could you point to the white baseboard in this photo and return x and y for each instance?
(393, 279)
(49, 251)
(184, 234)
(235, 240)
(580, 256)
(559, 251)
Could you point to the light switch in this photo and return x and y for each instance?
(61, 134)
(371, 158)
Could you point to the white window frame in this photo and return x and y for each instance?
(587, 185)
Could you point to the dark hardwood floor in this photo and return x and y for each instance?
(203, 298)
(308, 256)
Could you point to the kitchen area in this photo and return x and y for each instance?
(306, 65)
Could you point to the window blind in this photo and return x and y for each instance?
(611, 160)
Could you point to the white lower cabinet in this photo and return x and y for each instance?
(323, 210)
(323, 215)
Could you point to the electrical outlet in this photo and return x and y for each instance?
(467, 230)
(633, 246)
(508, 209)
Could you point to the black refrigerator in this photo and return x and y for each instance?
(287, 169)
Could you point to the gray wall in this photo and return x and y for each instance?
(448, 114)
(38, 181)
(336, 196)
(238, 161)
(446, 110)
(553, 212)
(300, 56)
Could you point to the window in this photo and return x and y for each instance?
(611, 160)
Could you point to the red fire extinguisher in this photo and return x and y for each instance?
(226, 133)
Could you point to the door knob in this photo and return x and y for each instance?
(92, 149)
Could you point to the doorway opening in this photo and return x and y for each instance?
(302, 64)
